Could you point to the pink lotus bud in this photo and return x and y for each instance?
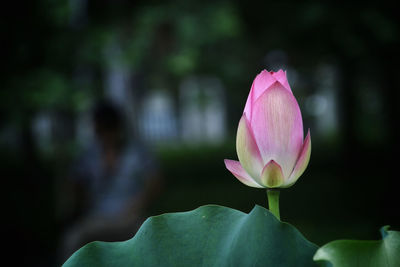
(269, 141)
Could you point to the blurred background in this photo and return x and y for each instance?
(175, 76)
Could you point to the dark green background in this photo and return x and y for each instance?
(348, 190)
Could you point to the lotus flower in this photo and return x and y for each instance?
(269, 141)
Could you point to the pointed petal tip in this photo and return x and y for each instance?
(260, 83)
(281, 77)
(264, 78)
(307, 141)
(237, 170)
(272, 175)
(302, 161)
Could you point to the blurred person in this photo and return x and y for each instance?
(113, 183)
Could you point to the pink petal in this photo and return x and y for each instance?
(247, 150)
(237, 170)
(262, 81)
(302, 161)
(272, 175)
(280, 76)
(278, 127)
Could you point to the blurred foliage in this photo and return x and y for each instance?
(170, 40)
(54, 59)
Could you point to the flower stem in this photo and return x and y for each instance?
(273, 202)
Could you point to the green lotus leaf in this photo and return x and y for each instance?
(350, 253)
(207, 236)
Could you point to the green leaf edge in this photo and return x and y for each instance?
(322, 258)
(93, 245)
